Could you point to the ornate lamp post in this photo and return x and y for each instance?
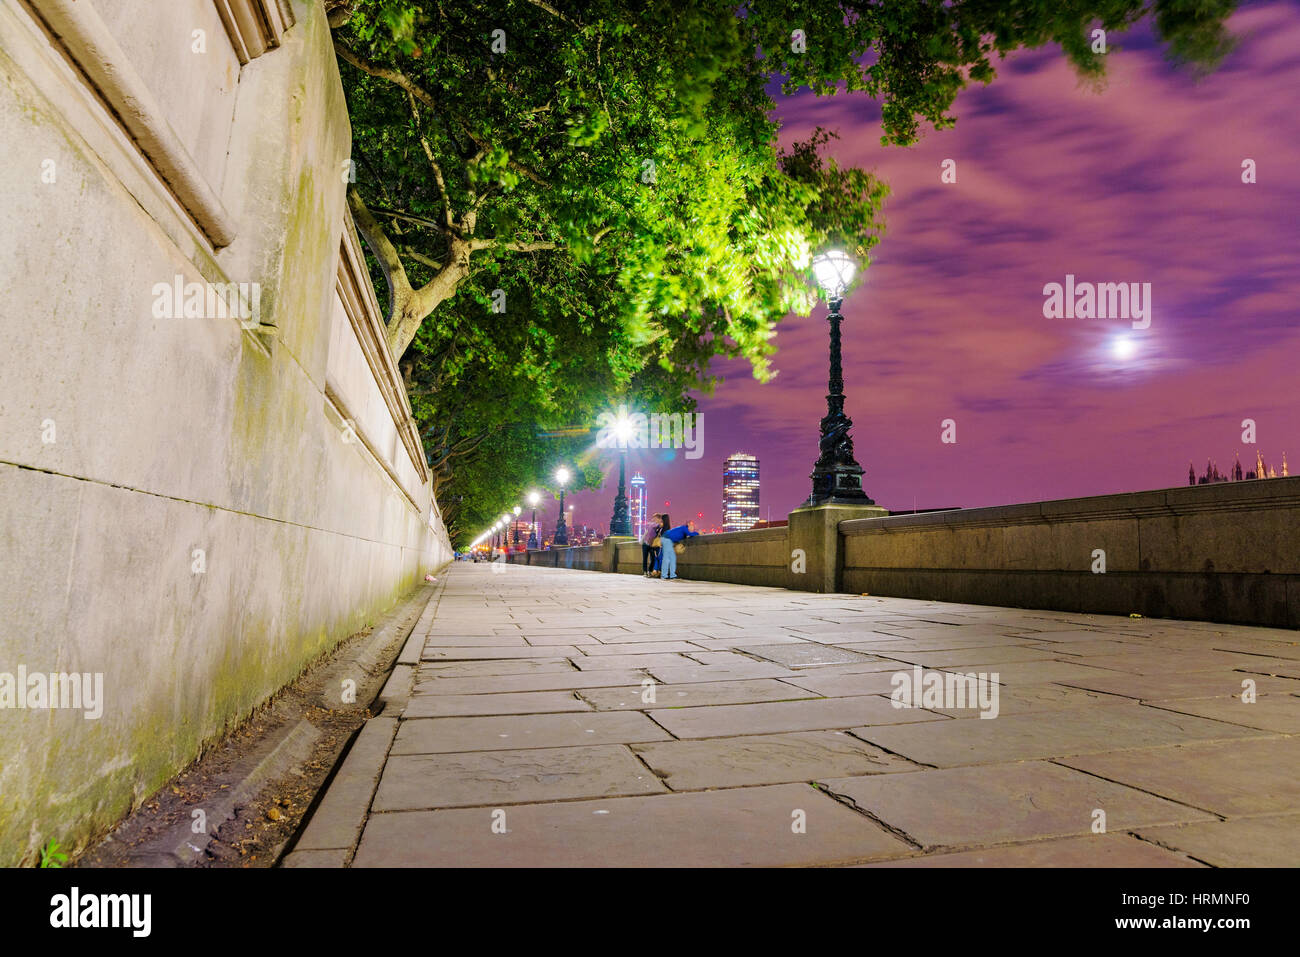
(515, 523)
(836, 477)
(533, 499)
(561, 533)
(621, 522)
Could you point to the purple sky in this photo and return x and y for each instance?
(1139, 182)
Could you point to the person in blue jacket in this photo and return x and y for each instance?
(670, 539)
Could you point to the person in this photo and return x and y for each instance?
(649, 556)
(670, 537)
(664, 525)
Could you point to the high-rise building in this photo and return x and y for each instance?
(637, 503)
(739, 492)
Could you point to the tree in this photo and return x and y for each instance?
(609, 169)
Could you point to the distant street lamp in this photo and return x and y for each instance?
(533, 499)
(561, 533)
(515, 523)
(837, 476)
(621, 522)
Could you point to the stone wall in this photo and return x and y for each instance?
(1228, 552)
(193, 504)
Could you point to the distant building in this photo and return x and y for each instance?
(637, 503)
(1235, 474)
(739, 492)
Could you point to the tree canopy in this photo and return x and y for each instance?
(573, 205)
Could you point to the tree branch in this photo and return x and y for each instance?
(385, 73)
(433, 163)
(515, 247)
(390, 262)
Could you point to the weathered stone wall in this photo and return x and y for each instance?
(1228, 552)
(194, 507)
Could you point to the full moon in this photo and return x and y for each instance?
(1124, 348)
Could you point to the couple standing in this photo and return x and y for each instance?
(659, 546)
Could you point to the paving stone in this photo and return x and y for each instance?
(681, 674)
(1260, 646)
(510, 732)
(1273, 712)
(969, 656)
(953, 643)
(336, 857)
(842, 685)
(625, 662)
(475, 641)
(567, 638)
(805, 654)
(1229, 777)
(693, 694)
(1087, 649)
(1095, 850)
(469, 653)
(631, 640)
(1025, 737)
(815, 715)
(1193, 684)
(731, 828)
(836, 636)
(1030, 699)
(1272, 841)
(641, 648)
(552, 681)
(525, 702)
(504, 666)
(1153, 661)
(420, 781)
(1003, 803)
(1033, 672)
(745, 641)
(765, 759)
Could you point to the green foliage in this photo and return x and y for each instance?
(613, 172)
(51, 856)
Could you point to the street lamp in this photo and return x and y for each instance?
(517, 510)
(837, 477)
(533, 499)
(561, 533)
(621, 522)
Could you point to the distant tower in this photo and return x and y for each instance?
(739, 492)
(1285, 473)
(1236, 469)
(637, 503)
(1260, 470)
(1191, 474)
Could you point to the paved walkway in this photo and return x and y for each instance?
(570, 718)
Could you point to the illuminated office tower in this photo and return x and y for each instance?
(739, 492)
(637, 503)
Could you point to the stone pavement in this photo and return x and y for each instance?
(570, 718)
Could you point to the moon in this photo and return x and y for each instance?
(1124, 348)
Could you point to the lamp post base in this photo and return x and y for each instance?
(839, 485)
